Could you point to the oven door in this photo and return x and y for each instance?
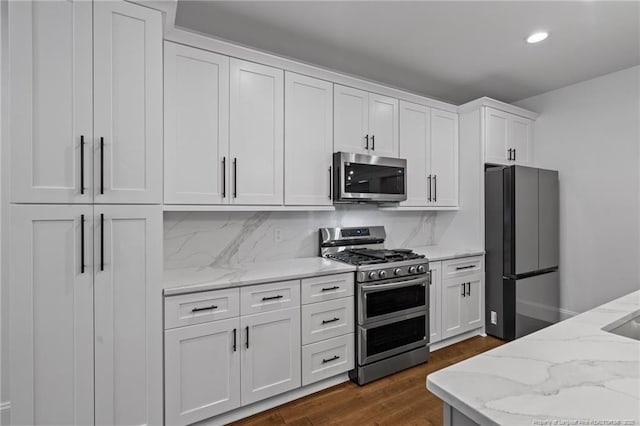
(392, 336)
(362, 177)
(378, 302)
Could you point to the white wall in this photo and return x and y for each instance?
(590, 133)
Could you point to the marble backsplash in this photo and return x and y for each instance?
(194, 239)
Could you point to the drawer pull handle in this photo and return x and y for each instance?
(206, 308)
(330, 321)
(333, 358)
(460, 268)
(272, 297)
(335, 287)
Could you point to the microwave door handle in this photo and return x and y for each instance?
(421, 280)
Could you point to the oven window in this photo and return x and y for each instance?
(394, 300)
(395, 335)
(372, 179)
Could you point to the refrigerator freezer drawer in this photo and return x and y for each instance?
(537, 303)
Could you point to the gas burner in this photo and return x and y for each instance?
(366, 256)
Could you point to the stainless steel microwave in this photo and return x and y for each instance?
(368, 178)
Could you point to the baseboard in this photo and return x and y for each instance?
(459, 338)
(275, 401)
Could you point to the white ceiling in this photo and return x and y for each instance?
(454, 51)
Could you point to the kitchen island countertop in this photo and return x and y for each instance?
(570, 372)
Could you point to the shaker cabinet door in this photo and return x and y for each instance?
(383, 125)
(351, 120)
(128, 314)
(196, 125)
(271, 354)
(256, 133)
(496, 136)
(127, 41)
(202, 371)
(308, 139)
(453, 307)
(51, 339)
(415, 136)
(444, 158)
(51, 132)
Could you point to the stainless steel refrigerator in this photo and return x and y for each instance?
(521, 243)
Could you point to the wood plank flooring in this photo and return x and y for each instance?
(400, 399)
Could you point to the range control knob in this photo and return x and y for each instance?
(373, 275)
(397, 271)
(383, 275)
(412, 269)
(421, 269)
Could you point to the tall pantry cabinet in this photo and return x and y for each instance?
(85, 143)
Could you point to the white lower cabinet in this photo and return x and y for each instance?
(327, 358)
(270, 354)
(462, 306)
(85, 308)
(202, 373)
(325, 320)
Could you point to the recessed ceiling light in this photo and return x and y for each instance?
(537, 37)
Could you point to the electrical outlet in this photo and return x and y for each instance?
(494, 317)
(277, 235)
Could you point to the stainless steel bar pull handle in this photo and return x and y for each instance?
(235, 347)
(330, 182)
(366, 138)
(330, 321)
(429, 180)
(373, 142)
(81, 165)
(509, 154)
(514, 154)
(468, 289)
(247, 342)
(460, 268)
(82, 244)
(464, 292)
(335, 287)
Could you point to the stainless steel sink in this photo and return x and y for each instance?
(629, 326)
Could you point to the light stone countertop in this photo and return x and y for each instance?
(571, 371)
(190, 280)
(436, 253)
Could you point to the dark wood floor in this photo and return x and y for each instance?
(400, 399)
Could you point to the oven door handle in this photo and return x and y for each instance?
(421, 280)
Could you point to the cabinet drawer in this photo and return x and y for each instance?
(325, 320)
(196, 308)
(269, 297)
(329, 287)
(460, 267)
(327, 358)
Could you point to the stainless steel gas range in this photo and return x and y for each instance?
(392, 300)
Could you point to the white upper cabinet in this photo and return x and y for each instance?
(196, 138)
(86, 118)
(256, 133)
(383, 125)
(127, 103)
(365, 123)
(351, 120)
(51, 101)
(128, 314)
(521, 137)
(508, 138)
(308, 139)
(51, 315)
(429, 143)
(415, 141)
(444, 158)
